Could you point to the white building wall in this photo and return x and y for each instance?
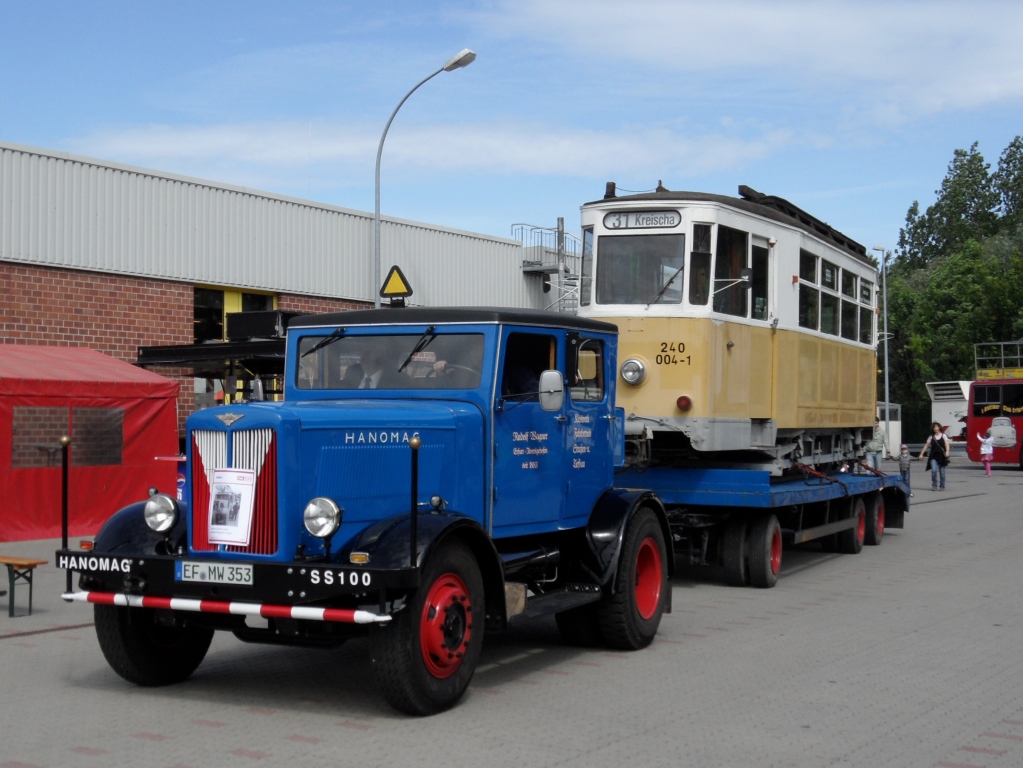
(60, 210)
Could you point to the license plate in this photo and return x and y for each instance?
(214, 573)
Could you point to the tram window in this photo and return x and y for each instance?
(699, 278)
(848, 283)
(701, 238)
(987, 401)
(808, 298)
(807, 266)
(586, 270)
(829, 275)
(849, 312)
(866, 325)
(866, 292)
(640, 269)
(731, 260)
(829, 314)
(758, 283)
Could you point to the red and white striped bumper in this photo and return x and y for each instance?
(340, 615)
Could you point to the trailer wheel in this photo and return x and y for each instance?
(765, 552)
(875, 520)
(734, 554)
(630, 616)
(426, 657)
(580, 626)
(850, 541)
(143, 650)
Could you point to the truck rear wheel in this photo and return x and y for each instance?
(145, 651)
(426, 657)
(734, 553)
(875, 520)
(765, 552)
(850, 541)
(630, 616)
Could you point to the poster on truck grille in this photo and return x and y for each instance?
(231, 502)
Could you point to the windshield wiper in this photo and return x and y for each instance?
(665, 286)
(426, 338)
(325, 341)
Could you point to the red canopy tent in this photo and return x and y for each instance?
(119, 419)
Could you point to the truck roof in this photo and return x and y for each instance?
(447, 315)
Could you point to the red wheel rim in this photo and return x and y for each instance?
(775, 551)
(861, 526)
(649, 577)
(880, 518)
(445, 626)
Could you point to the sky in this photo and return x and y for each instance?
(849, 110)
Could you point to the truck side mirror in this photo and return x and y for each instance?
(552, 390)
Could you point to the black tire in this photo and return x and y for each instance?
(580, 626)
(875, 520)
(630, 615)
(850, 541)
(765, 552)
(143, 650)
(424, 659)
(734, 555)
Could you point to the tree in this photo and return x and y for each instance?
(1008, 181)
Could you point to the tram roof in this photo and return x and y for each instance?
(751, 201)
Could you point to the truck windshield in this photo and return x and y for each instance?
(640, 269)
(449, 361)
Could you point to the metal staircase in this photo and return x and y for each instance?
(555, 256)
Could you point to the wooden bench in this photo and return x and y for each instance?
(19, 569)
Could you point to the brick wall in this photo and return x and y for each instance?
(113, 314)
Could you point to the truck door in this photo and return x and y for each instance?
(529, 443)
(588, 447)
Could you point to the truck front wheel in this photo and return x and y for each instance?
(426, 657)
(147, 651)
(629, 617)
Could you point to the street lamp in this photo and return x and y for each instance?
(884, 298)
(463, 58)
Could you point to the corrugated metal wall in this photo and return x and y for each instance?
(64, 211)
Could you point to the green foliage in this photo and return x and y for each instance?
(957, 276)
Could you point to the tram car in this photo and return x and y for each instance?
(747, 328)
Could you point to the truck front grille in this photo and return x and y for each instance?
(254, 449)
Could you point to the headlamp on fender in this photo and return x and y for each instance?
(322, 517)
(633, 371)
(160, 512)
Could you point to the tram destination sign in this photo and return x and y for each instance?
(642, 219)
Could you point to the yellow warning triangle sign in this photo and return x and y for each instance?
(395, 285)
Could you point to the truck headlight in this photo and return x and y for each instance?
(633, 371)
(161, 512)
(322, 517)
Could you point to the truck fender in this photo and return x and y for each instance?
(605, 531)
(387, 544)
(126, 532)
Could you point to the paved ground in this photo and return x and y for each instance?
(907, 654)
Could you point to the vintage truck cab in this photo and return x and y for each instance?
(431, 474)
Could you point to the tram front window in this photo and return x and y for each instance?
(640, 269)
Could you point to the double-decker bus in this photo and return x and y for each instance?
(996, 402)
(747, 327)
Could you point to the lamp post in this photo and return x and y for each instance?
(884, 298)
(463, 58)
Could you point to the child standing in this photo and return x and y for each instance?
(987, 450)
(904, 458)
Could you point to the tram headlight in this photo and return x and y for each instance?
(160, 512)
(322, 517)
(633, 371)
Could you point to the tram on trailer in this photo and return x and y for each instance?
(747, 327)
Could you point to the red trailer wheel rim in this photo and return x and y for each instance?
(649, 578)
(445, 626)
(776, 551)
(880, 517)
(861, 526)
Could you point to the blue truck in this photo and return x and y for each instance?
(431, 475)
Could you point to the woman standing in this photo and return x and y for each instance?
(937, 449)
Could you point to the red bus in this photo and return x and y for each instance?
(998, 406)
